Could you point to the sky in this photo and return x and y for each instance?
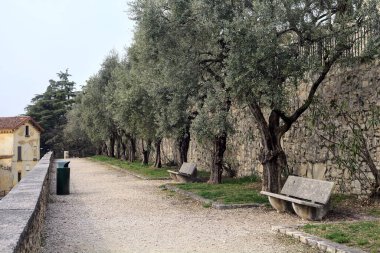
(40, 38)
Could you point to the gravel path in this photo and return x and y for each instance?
(110, 211)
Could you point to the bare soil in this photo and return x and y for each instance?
(110, 211)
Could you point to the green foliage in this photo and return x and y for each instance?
(181, 55)
(207, 205)
(49, 110)
(272, 45)
(158, 65)
(75, 138)
(134, 107)
(191, 60)
(374, 212)
(350, 144)
(188, 57)
(231, 191)
(363, 234)
(135, 167)
(277, 46)
(214, 118)
(96, 97)
(338, 199)
(338, 237)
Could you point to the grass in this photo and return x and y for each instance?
(136, 167)
(231, 191)
(141, 169)
(363, 234)
(340, 199)
(351, 203)
(203, 174)
(374, 212)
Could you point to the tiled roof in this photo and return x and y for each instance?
(12, 123)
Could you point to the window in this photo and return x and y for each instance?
(26, 131)
(19, 158)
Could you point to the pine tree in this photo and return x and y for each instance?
(49, 110)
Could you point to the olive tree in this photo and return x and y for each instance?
(188, 40)
(275, 46)
(96, 95)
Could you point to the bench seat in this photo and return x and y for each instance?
(293, 200)
(308, 198)
(186, 174)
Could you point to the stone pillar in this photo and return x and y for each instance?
(65, 154)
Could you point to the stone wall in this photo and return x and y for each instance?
(307, 153)
(23, 210)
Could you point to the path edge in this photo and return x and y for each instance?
(322, 244)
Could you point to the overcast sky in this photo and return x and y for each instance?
(39, 38)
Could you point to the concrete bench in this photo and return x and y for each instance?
(186, 174)
(309, 198)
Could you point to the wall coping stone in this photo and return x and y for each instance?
(21, 206)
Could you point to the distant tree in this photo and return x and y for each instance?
(49, 110)
(99, 124)
(128, 132)
(75, 138)
(134, 107)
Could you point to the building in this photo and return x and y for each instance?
(19, 149)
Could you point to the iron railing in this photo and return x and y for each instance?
(356, 42)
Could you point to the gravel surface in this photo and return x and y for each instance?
(110, 211)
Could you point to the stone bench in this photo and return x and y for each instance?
(308, 198)
(186, 174)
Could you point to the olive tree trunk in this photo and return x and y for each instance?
(157, 163)
(146, 151)
(183, 146)
(132, 149)
(272, 156)
(123, 150)
(220, 144)
(104, 149)
(111, 147)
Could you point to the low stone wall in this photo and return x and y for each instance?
(22, 211)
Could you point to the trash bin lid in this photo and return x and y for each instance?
(63, 164)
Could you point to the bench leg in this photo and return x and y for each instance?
(309, 212)
(173, 176)
(184, 179)
(280, 205)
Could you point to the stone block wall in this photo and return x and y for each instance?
(308, 155)
(23, 210)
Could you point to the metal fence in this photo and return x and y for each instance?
(357, 42)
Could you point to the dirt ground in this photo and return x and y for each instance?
(110, 211)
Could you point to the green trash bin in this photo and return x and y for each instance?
(63, 178)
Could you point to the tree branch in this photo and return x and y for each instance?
(210, 60)
(260, 121)
(314, 88)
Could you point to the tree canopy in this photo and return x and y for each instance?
(191, 61)
(49, 110)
